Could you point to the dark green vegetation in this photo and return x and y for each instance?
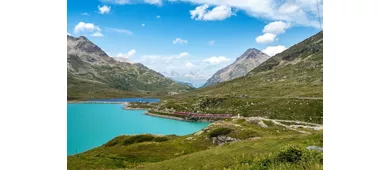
(220, 131)
(289, 157)
(286, 86)
(197, 151)
(93, 74)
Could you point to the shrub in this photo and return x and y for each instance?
(290, 154)
(240, 120)
(111, 143)
(161, 139)
(290, 157)
(138, 139)
(114, 141)
(219, 131)
(268, 123)
(144, 138)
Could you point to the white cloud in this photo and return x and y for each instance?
(273, 50)
(154, 2)
(288, 8)
(296, 12)
(300, 12)
(188, 69)
(69, 33)
(104, 9)
(86, 14)
(276, 27)
(220, 12)
(120, 2)
(128, 55)
(216, 60)
(142, 25)
(124, 31)
(88, 27)
(184, 54)
(212, 42)
(158, 16)
(266, 38)
(124, 2)
(189, 65)
(180, 41)
(97, 34)
(82, 26)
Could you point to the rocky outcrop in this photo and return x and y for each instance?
(220, 140)
(262, 124)
(243, 64)
(317, 148)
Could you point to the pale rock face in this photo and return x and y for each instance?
(87, 51)
(243, 64)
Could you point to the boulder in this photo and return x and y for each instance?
(223, 139)
(198, 133)
(262, 124)
(314, 148)
(190, 138)
(214, 139)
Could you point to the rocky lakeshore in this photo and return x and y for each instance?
(163, 116)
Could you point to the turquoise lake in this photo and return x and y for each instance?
(91, 125)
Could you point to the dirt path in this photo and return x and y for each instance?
(302, 98)
(295, 125)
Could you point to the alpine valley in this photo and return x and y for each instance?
(265, 112)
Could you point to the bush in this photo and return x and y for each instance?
(138, 139)
(114, 141)
(144, 138)
(161, 139)
(240, 120)
(268, 123)
(292, 157)
(219, 131)
(291, 154)
(111, 143)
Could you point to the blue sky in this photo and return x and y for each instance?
(209, 38)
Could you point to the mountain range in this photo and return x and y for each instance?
(286, 86)
(94, 74)
(196, 79)
(243, 64)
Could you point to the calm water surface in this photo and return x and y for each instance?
(91, 125)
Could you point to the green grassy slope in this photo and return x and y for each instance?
(184, 152)
(244, 155)
(286, 86)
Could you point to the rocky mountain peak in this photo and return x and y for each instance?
(250, 53)
(88, 51)
(250, 59)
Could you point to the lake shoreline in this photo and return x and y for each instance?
(167, 116)
(84, 135)
(93, 102)
(164, 116)
(146, 109)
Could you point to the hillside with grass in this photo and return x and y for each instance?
(286, 86)
(94, 74)
(281, 101)
(227, 144)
